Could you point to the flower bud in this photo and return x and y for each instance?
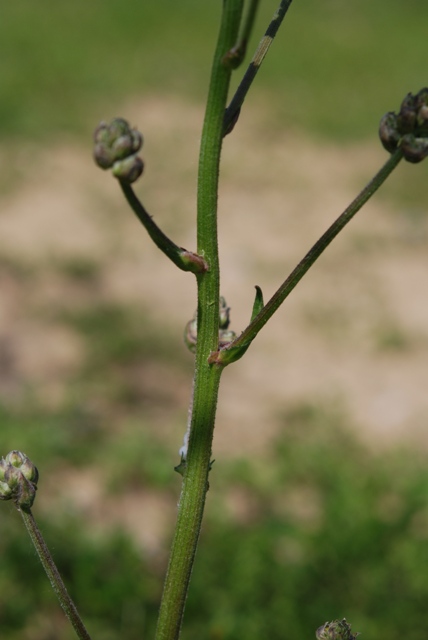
(414, 149)
(18, 479)
(408, 129)
(5, 491)
(224, 314)
(190, 334)
(407, 115)
(422, 97)
(225, 337)
(422, 118)
(117, 128)
(388, 131)
(129, 169)
(103, 156)
(127, 144)
(337, 630)
(116, 145)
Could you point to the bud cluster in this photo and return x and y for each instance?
(225, 335)
(407, 129)
(337, 630)
(116, 147)
(18, 479)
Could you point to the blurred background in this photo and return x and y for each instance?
(318, 501)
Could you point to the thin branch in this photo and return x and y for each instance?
(52, 572)
(236, 55)
(183, 259)
(237, 347)
(235, 105)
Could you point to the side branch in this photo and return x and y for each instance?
(236, 103)
(235, 56)
(236, 349)
(183, 259)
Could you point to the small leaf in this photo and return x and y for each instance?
(258, 303)
(181, 468)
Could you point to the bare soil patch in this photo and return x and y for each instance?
(354, 333)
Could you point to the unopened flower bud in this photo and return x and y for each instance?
(127, 144)
(422, 98)
(409, 129)
(18, 479)
(190, 334)
(103, 156)
(117, 128)
(407, 114)
(422, 118)
(224, 314)
(225, 337)
(5, 491)
(388, 131)
(116, 145)
(414, 149)
(336, 630)
(129, 169)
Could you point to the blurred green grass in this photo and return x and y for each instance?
(334, 68)
(326, 529)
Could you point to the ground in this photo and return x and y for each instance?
(354, 334)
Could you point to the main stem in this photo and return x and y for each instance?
(207, 377)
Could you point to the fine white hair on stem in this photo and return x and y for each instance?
(183, 448)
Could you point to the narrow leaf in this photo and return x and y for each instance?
(258, 303)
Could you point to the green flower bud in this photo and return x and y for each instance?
(336, 630)
(408, 129)
(407, 115)
(414, 149)
(5, 491)
(422, 97)
(422, 118)
(18, 479)
(127, 145)
(117, 128)
(224, 314)
(15, 458)
(422, 112)
(116, 145)
(129, 169)
(388, 131)
(103, 156)
(190, 334)
(225, 337)
(3, 467)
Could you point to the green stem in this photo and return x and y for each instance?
(237, 101)
(207, 377)
(237, 54)
(53, 574)
(232, 352)
(185, 260)
(248, 26)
